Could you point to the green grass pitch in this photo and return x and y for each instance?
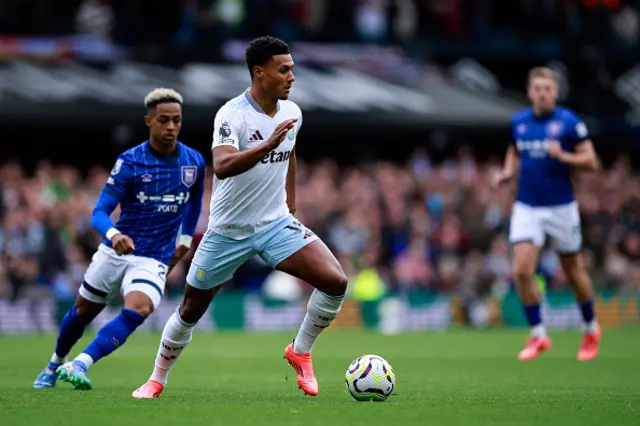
(443, 378)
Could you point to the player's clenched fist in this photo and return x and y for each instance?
(122, 244)
(554, 149)
(280, 132)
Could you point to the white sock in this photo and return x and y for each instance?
(58, 359)
(539, 331)
(86, 359)
(590, 327)
(175, 338)
(321, 310)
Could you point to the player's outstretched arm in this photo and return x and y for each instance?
(509, 169)
(228, 161)
(113, 191)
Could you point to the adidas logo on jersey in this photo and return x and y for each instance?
(256, 136)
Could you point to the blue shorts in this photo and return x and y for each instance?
(217, 257)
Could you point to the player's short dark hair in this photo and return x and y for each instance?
(261, 50)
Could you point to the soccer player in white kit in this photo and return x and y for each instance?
(252, 209)
(549, 143)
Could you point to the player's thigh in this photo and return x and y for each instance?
(104, 276)
(292, 248)
(143, 284)
(216, 260)
(526, 226)
(526, 236)
(563, 227)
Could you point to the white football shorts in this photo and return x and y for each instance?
(108, 273)
(560, 223)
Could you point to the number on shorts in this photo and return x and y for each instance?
(162, 271)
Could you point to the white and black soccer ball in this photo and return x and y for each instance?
(370, 378)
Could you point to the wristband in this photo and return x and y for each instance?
(185, 240)
(112, 233)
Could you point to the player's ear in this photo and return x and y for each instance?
(257, 71)
(147, 119)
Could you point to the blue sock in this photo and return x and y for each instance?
(587, 311)
(71, 329)
(114, 334)
(532, 313)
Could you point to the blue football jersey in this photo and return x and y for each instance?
(154, 192)
(545, 181)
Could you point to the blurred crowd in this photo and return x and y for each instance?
(441, 227)
(414, 226)
(185, 22)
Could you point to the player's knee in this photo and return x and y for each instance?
(335, 283)
(190, 312)
(523, 272)
(140, 303)
(144, 309)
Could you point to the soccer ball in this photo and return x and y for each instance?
(370, 378)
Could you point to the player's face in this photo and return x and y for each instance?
(164, 122)
(543, 93)
(277, 76)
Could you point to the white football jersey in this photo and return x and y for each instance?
(244, 204)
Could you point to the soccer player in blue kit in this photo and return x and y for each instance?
(159, 185)
(549, 142)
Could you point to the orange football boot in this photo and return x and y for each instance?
(534, 347)
(589, 346)
(149, 390)
(303, 367)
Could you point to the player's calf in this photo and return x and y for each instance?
(73, 325)
(175, 338)
(525, 259)
(71, 330)
(138, 306)
(582, 287)
(321, 310)
(315, 264)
